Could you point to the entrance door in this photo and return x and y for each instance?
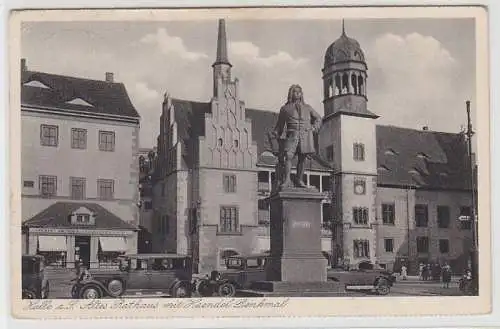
(82, 249)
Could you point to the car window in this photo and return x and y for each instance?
(233, 263)
(179, 263)
(138, 264)
(255, 262)
(162, 264)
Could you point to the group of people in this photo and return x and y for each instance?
(435, 272)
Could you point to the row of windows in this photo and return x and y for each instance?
(422, 245)
(49, 136)
(321, 182)
(422, 215)
(48, 187)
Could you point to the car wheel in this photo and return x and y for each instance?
(383, 287)
(115, 287)
(90, 292)
(227, 290)
(180, 291)
(28, 294)
(205, 289)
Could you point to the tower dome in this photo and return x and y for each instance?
(344, 49)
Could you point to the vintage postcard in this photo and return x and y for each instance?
(239, 162)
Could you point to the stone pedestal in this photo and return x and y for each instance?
(296, 237)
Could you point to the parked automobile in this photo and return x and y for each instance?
(365, 278)
(241, 272)
(158, 275)
(34, 279)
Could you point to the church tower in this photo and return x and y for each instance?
(348, 141)
(221, 66)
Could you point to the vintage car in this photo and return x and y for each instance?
(241, 272)
(146, 275)
(34, 279)
(367, 278)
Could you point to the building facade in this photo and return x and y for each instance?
(391, 195)
(79, 157)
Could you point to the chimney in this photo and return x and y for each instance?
(425, 128)
(109, 77)
(23, 65)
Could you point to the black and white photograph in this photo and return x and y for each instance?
(249, 159)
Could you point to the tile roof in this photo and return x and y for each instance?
(438, 160)
(57, 216)
(426, 159)
(105, 97)
(190, 118)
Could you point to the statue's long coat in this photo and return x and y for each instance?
(297, 123)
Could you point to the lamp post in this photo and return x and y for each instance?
(473, 251)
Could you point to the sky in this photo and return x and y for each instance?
(420, 71)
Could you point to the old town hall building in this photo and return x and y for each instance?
(391, 194)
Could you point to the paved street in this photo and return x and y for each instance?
(60, 287)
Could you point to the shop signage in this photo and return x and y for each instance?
(78, 231)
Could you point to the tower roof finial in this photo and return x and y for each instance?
(222, 44)
(343, 27)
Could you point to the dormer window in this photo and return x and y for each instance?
(83, 218)
(422, 155)
(36, 84)
(390, 152)
(79, 101)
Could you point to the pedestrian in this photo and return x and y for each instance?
(446, 275)
(404, 272)
(421, 271)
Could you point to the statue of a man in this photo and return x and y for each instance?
(298, 122)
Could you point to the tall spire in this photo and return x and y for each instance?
(222, 44)
(343, 27)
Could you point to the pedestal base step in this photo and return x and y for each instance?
(283, 287)
(259, 293)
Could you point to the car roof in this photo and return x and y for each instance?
(149, 256)
(250, 256)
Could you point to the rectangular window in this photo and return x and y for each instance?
(389, 245)
(465, 218)
(422, 244)
(48, 185)
(388, 213)
(77, 188)
(164, 225)
(28, 183)
(229, 182)
(106, 141)
(148, 205)
(327, 218)
(78, 138)
(443, 216)
(444, 246)
(421, 215)
(263, 181)
(329, 153)
(49, 135)
(314, 180)
(359, 152)
(361, 248)
(326, 183)
(105, 189)
(360, 215)
(228, 219)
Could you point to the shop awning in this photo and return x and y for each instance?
(52, 243)
(113, 243)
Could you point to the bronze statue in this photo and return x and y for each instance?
(294, 132)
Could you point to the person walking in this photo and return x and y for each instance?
(404, 272)
(446, 275)
(421, 271)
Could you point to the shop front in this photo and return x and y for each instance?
(97, 240)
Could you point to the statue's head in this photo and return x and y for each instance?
(295, 94)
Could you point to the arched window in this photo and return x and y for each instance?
(338, 85)
(236, 143)
(345, 83)
(330, 88)
(219, 142)
(354, 83)
(361, 89)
